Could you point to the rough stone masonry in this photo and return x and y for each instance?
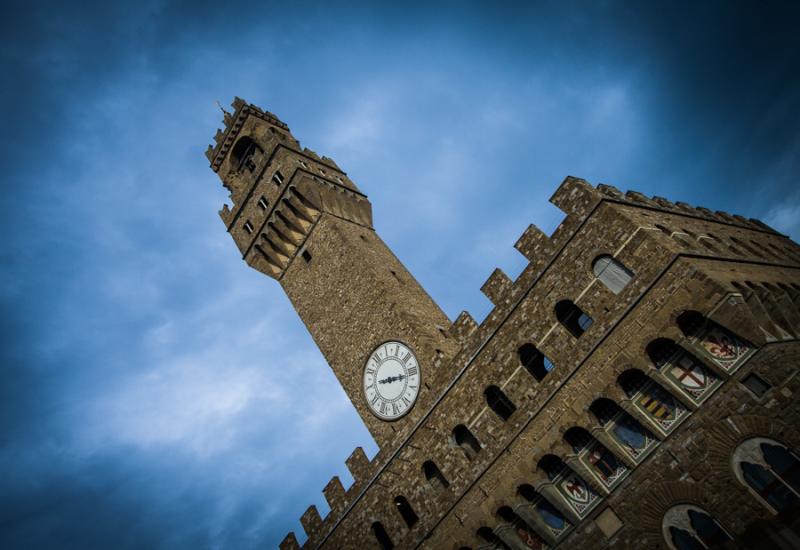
(635, 387)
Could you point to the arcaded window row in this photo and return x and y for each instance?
(622, 436)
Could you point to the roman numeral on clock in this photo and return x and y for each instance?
(405, 357)
(412, 371)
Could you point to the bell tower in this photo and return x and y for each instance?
(298, 218)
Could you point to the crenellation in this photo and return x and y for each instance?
(575, 197)
(629, 269)
(463, 327)
(359, 465)
(498, 287)
(685, 207)
(635, 196)
(311, 522)
(534, 244)
(664, 203)
(289, 542)
(335, 495)
(610, 191)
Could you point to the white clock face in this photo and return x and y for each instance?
(391, 380)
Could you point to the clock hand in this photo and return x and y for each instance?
(391, 379)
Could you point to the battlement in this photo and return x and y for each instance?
(578, 199)
(224, 139)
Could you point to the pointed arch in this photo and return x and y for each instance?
(686, 527)
(243, 154)
(770, 470)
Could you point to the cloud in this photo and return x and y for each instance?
(155, 391)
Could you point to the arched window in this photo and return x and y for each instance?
(485, 533)
(611, 273)
(770, 470)
(382, 536)
(552, 466)
(534, 361)
(406, 511)
(691, 323)
(464, 439)
(683, 368)
(499, 402)
(578, 439)
(687, 527)
(713, 341)
(578, 494)
(526, 535)
(549, 514)
(632, 436)
(572, 317)
(434, 475)
(244, 153)
(652, 399)
(604, 464)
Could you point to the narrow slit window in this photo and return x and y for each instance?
(248, 227)
(382, 536)
(306, 256)
(277, 178)
(263, 204)
(406, 511)
(464, 439)
(434, 475)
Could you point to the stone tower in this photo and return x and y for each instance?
(636, 386)
(298, 218)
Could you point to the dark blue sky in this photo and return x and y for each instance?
(149, 378)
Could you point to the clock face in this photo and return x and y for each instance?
(391, 380)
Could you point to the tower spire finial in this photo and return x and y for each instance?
(221, 108)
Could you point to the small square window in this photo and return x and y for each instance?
(306, 256)
(263, 204)
(757, 385)
(248, 226)
(608, 522)
(277, 178)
